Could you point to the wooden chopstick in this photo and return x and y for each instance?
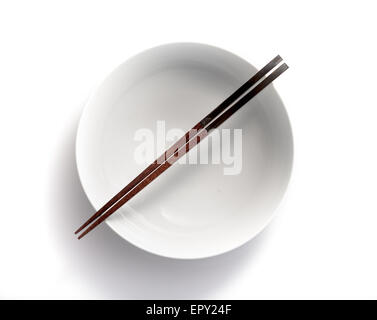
(188, 146)
(184, 139)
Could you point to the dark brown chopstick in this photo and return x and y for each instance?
(183, 140)
(188, 146)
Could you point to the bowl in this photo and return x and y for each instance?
(216, 198)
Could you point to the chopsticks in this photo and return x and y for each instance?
(187, 142)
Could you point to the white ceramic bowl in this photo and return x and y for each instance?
(191, 211)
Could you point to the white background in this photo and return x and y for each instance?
(323, 242)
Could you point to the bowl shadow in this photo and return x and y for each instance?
(113, 268)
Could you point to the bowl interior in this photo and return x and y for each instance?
(193, 210)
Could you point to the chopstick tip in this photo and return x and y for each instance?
(278, 59)
(83, 234)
